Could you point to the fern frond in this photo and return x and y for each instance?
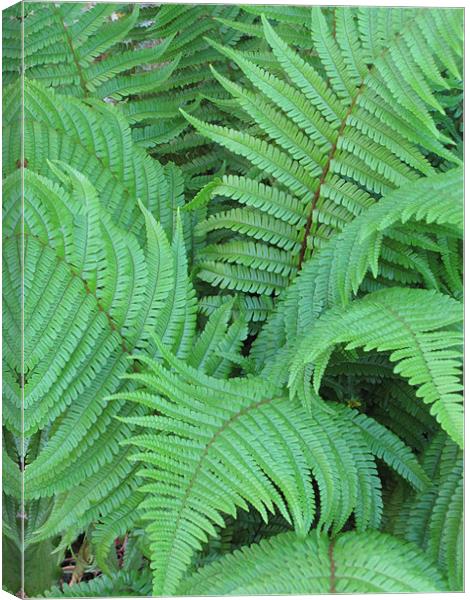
(418, 327)
(256, 308)
(351, 563)
(124, 583)
(433, 518)
(190, 83)
(364, 243)
(19, 521)
(121, 520)
(380, 240)
(79, 46)
(213, 438)
(269, 158)
(328, 133)
(95, 142)
(232, 266)
(194, 444)
(90, 301)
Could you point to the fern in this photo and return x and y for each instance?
(232, 254)
(98, 143)
(17, 545)
(335, 143)
(149, 61)
(352, 563)
(228, 462)
(104, 305)
(376, 244)
(124, 584)
(75, 47)
(433, 519)
(420, 332)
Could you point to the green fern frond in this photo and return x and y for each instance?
(215, 437)
(383, 237)
(351, 563)
(79, 47)
(194, 444)
(95, 142)
(187, 84)
(418, 327)
(232, 266)
(433, 518)
(117, 523)
(376, 235)
(326, 135)
(255, 309)
(19, 521)
(124, 583)
(400, 413)
(90, 301)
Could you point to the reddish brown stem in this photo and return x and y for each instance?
(326, 170)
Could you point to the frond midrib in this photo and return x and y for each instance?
(199, 466)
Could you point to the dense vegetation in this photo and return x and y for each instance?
(242, 313)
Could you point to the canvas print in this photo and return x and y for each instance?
(232, 299)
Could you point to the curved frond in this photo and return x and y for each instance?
(205, 455)
(420, 330)
(352, 563)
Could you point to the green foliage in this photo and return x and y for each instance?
(81, 49)
(94, 292)
(20, 527)
(232, 253)
(353, 563)
(434, 518)
(420, 334)
(212, 446)
(125, 583)
(91, 302)
(332, 141)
